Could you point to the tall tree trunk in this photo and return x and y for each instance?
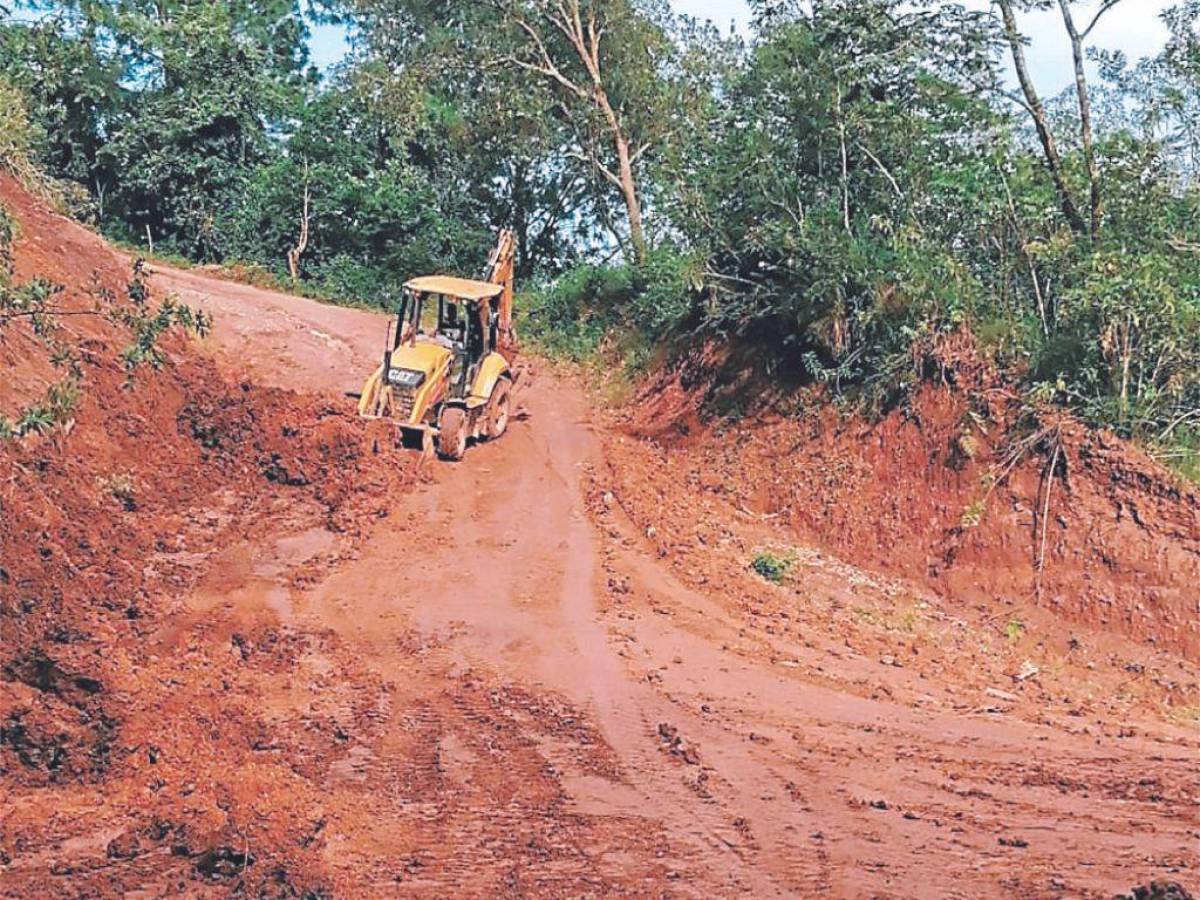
(1038, 112)
(844, 178)
(584, 33)
(293, 255)
(627, 183)
(1085, 118)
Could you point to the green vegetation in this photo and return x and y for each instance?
(32, 305)
(773, 567)
(856, 189)
(16, 132)
(973, 514)
(1014, 631)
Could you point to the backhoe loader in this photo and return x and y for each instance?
(446, 374)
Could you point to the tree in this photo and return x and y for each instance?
(606, 96)
(160, 107)
(297, 251)
(215, 86)
(72, 80)
(426, 74)
(572, 44)
(838, 177)
(378, 211)
(1037, 110)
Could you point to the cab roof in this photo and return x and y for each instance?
(460, 288)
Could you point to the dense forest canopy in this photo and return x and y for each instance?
(844, 187)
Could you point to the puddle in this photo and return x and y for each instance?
(293, 550)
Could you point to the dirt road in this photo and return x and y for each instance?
(530, 696)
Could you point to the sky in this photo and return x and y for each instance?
(1133, 27)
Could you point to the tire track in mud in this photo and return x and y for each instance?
(518, 744)
(631, 714)
(902, 800)
(505, 579)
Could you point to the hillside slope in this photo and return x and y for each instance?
(251, 649)
(107, 521)
(954, 490)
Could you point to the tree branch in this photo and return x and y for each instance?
(882, 168)
(1108, 4)
(1038, 112)
(592, 160)
(547, 68)
(1085, 112)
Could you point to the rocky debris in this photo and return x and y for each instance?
(1028, 670)
(127, 845)
(677, 746)
(1157, 890)
(221, 863)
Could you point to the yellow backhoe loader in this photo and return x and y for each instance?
(446, 373)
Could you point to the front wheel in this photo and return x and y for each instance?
(498, 410)
(452, 433)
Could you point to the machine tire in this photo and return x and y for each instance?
(498, 410)
(452, 433)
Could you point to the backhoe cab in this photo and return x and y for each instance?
(446, 370)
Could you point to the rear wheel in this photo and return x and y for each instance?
(498, 410)
(452, 433)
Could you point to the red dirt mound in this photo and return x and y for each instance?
(942, 492)
(106, 521)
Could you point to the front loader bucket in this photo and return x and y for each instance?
(375, 402)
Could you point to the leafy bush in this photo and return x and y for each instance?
(1132, 322)
(773, 567)
(148, 325)
(16, 131)
(573, 315)
(349, 279)
(31, 305)
(8, 233)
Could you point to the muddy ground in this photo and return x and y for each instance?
(301, 664)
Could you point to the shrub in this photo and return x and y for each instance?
(345, 278)
(16, 131)
(573, 315)
(8, 232)
(772, 567)
(29, 306)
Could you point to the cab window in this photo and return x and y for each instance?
(429, 315)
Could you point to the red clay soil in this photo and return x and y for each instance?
(106, 524)
(941, 491)
(252, 649)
